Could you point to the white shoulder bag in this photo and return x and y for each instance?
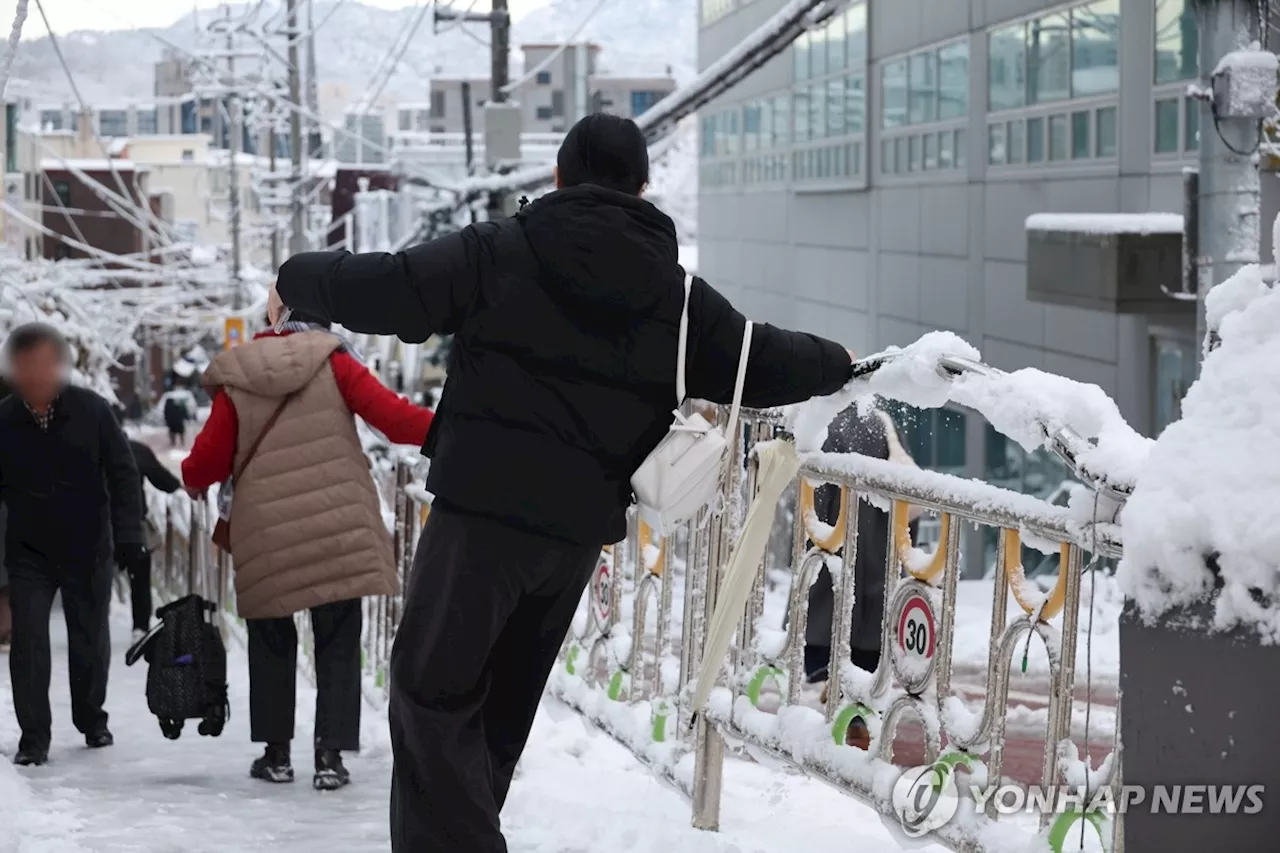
(682, 474)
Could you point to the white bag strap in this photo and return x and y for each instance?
(682, 347)
(738, 383)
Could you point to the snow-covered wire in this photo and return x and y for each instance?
(373, 92)
(555, 54)
(332, 11)
(11, 47)
(457, 21)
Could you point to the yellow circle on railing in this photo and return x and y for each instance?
(423, 513)
(902, 536)
(644, 540)
(1017, 577)
(835, 538)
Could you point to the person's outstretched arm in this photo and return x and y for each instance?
(784, 367)
(425, 290)
(151, 468)
(214, 450)
(383, 409)
(124, 484)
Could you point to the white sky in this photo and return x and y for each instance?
(68, 15)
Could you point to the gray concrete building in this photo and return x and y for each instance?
(872, 183)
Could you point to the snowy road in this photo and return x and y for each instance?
(578, 791)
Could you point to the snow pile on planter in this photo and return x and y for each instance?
(1209, 485)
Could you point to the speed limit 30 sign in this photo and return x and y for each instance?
(917, 633)
(602, 594)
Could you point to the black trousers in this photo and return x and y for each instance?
(817, 658)
(273, 670)
(86, 601)
(140, 594)
(487, 610)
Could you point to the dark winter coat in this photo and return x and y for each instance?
(150, 468)
(561, 375)
(175, 415)
(852, 432)
(71, 491)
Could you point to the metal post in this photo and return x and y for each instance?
(234, 133)
(466, 125)
(500, 29)
(1190, 233)
(275, 226)
(298, 237)
(313, 87)
(1229, 233)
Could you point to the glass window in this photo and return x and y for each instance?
(1035, 140)
(1058, 137)
(893, 94)
(835, 43)
(923, 88)
(996, 144)
(1080, 135)
(835, 107)
(1095, 48)
(914, 159)
(887, 162)
(1104, 123)
(751, 120)
(1006, 67)
(900, 145)
(930, 152)
(1191, 110)
(856, 34)
(1017, 142)
(818, 52)
(855, 104)
(1049, 59)
(946, 149)
(953, 81)
(147, 122)
(62, 189)
(1177, 41)
(949, 441)
(817, 112)
(1167, 141)
(543, 78)
(781, 121)
(961, 149)
(801, 111)
(801, 49)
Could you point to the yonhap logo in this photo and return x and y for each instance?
(925, 798)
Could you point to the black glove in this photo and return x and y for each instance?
(131, 555)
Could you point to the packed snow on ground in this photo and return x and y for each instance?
(576, 792)
(1209, 485)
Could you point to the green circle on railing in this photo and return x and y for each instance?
(1065, 821)
(571, 659)
(661, 713)
(615, 686)
(764, 674)
(844, 719)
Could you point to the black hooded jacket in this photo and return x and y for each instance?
(562, 371)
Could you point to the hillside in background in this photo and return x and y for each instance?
(638, 37)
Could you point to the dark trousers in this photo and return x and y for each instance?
(273, 669)
(487, 610)
(140, 594)
(86, 599)
(817, 658)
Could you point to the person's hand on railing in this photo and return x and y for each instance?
(195, 494)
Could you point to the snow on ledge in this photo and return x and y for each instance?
(1107, 223)
(1209, 484)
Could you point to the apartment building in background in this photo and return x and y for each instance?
(872, 184)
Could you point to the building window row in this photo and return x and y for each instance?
(715, 176)
(764, 169)
(720, 134)
(934, 151)
(766, 123)
(837, 46)
(1177, 41)
(1055, 57)
(1087, 134)
(1177, 124)
(925, 86)
(828, 163)
(834, 108)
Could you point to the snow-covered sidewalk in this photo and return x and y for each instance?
(578, 791)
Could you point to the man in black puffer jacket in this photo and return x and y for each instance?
(561, 381)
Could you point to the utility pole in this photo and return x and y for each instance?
(500, 38)
(1229, 229)
(275, 227)
(467, 126)
(234, 130)
(313, 91)
(298, 238)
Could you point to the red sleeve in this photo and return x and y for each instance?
(214, 450)
(386, 411)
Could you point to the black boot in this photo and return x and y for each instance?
(331, 774)
(31, 757)
(99, 738)
(274, 765)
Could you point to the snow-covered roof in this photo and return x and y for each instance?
(1107, 223)
(58, 164)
